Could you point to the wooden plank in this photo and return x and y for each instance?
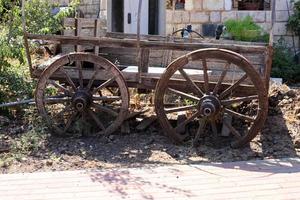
(179, 39)
(128, 43)
(144, 61)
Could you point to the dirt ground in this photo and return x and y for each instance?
(30, 148)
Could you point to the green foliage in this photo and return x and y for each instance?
(14, 76)
(246, 30)
(24, 145)
(284, 65)
(294, 20)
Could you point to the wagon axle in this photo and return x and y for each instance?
(82, 100)
(209, 106)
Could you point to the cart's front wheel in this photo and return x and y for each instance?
(74, 98)
(224, 96)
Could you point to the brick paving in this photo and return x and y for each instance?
(267, 179)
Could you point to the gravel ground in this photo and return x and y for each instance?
(27, 149)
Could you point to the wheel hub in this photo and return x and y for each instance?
(82, 100)
(209, 106)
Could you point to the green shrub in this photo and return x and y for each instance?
(246, 30)
(15, 82)
(284, 65)
(294, 20)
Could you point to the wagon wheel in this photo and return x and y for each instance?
(212, 101)
(72, 98)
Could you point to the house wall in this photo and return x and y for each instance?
(199, 12)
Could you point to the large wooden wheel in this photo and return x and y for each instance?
(216, 101)
(73, 101)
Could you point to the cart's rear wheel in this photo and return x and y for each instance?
(212, 101)
(72, 95)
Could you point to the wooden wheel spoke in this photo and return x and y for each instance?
(68, 78)
(233, 87)
(217, 87)
(240, 116)
(183, 124)
(179, 109)
(205, 74)
(70, 120)
(59, 86)
(91, 82)
(105, 84)
(105, 109)
(238, 100)
(182, 94)
(201, 128)
(79, 67)
(191, 82)
(107, 98)
(96, 119)
(233, 130)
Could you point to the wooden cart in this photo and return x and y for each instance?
(201, 87)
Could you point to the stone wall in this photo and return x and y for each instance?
(199, 12)
(283, 10)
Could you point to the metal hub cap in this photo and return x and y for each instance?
(209, 106)
(82, 100)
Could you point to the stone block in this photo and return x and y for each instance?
(257, 16)
(210, 5)
(199, 17)
(177, 18)
(228, 5)
(197, 4)
(228, 15)
(189, 5)
(215, 17)
(103, 5)
(279, 28)
(268, 16)
(289, 40)
(282, 16)
(282, 4)
(169, 16)
(265, 26)
(169, 29)
(185, 17)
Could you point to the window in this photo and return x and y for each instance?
(179, 4)
(252, 4)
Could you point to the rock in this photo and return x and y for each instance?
(291, 93)
(111, 137)
(297, 144)
(49, 162)
(298, 116)
(297, 110)
(4, 121)
(285, 101)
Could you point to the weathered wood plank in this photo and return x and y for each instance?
(128, 43)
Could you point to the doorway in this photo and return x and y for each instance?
(123, 14)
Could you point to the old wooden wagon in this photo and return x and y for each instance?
(201, 86)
